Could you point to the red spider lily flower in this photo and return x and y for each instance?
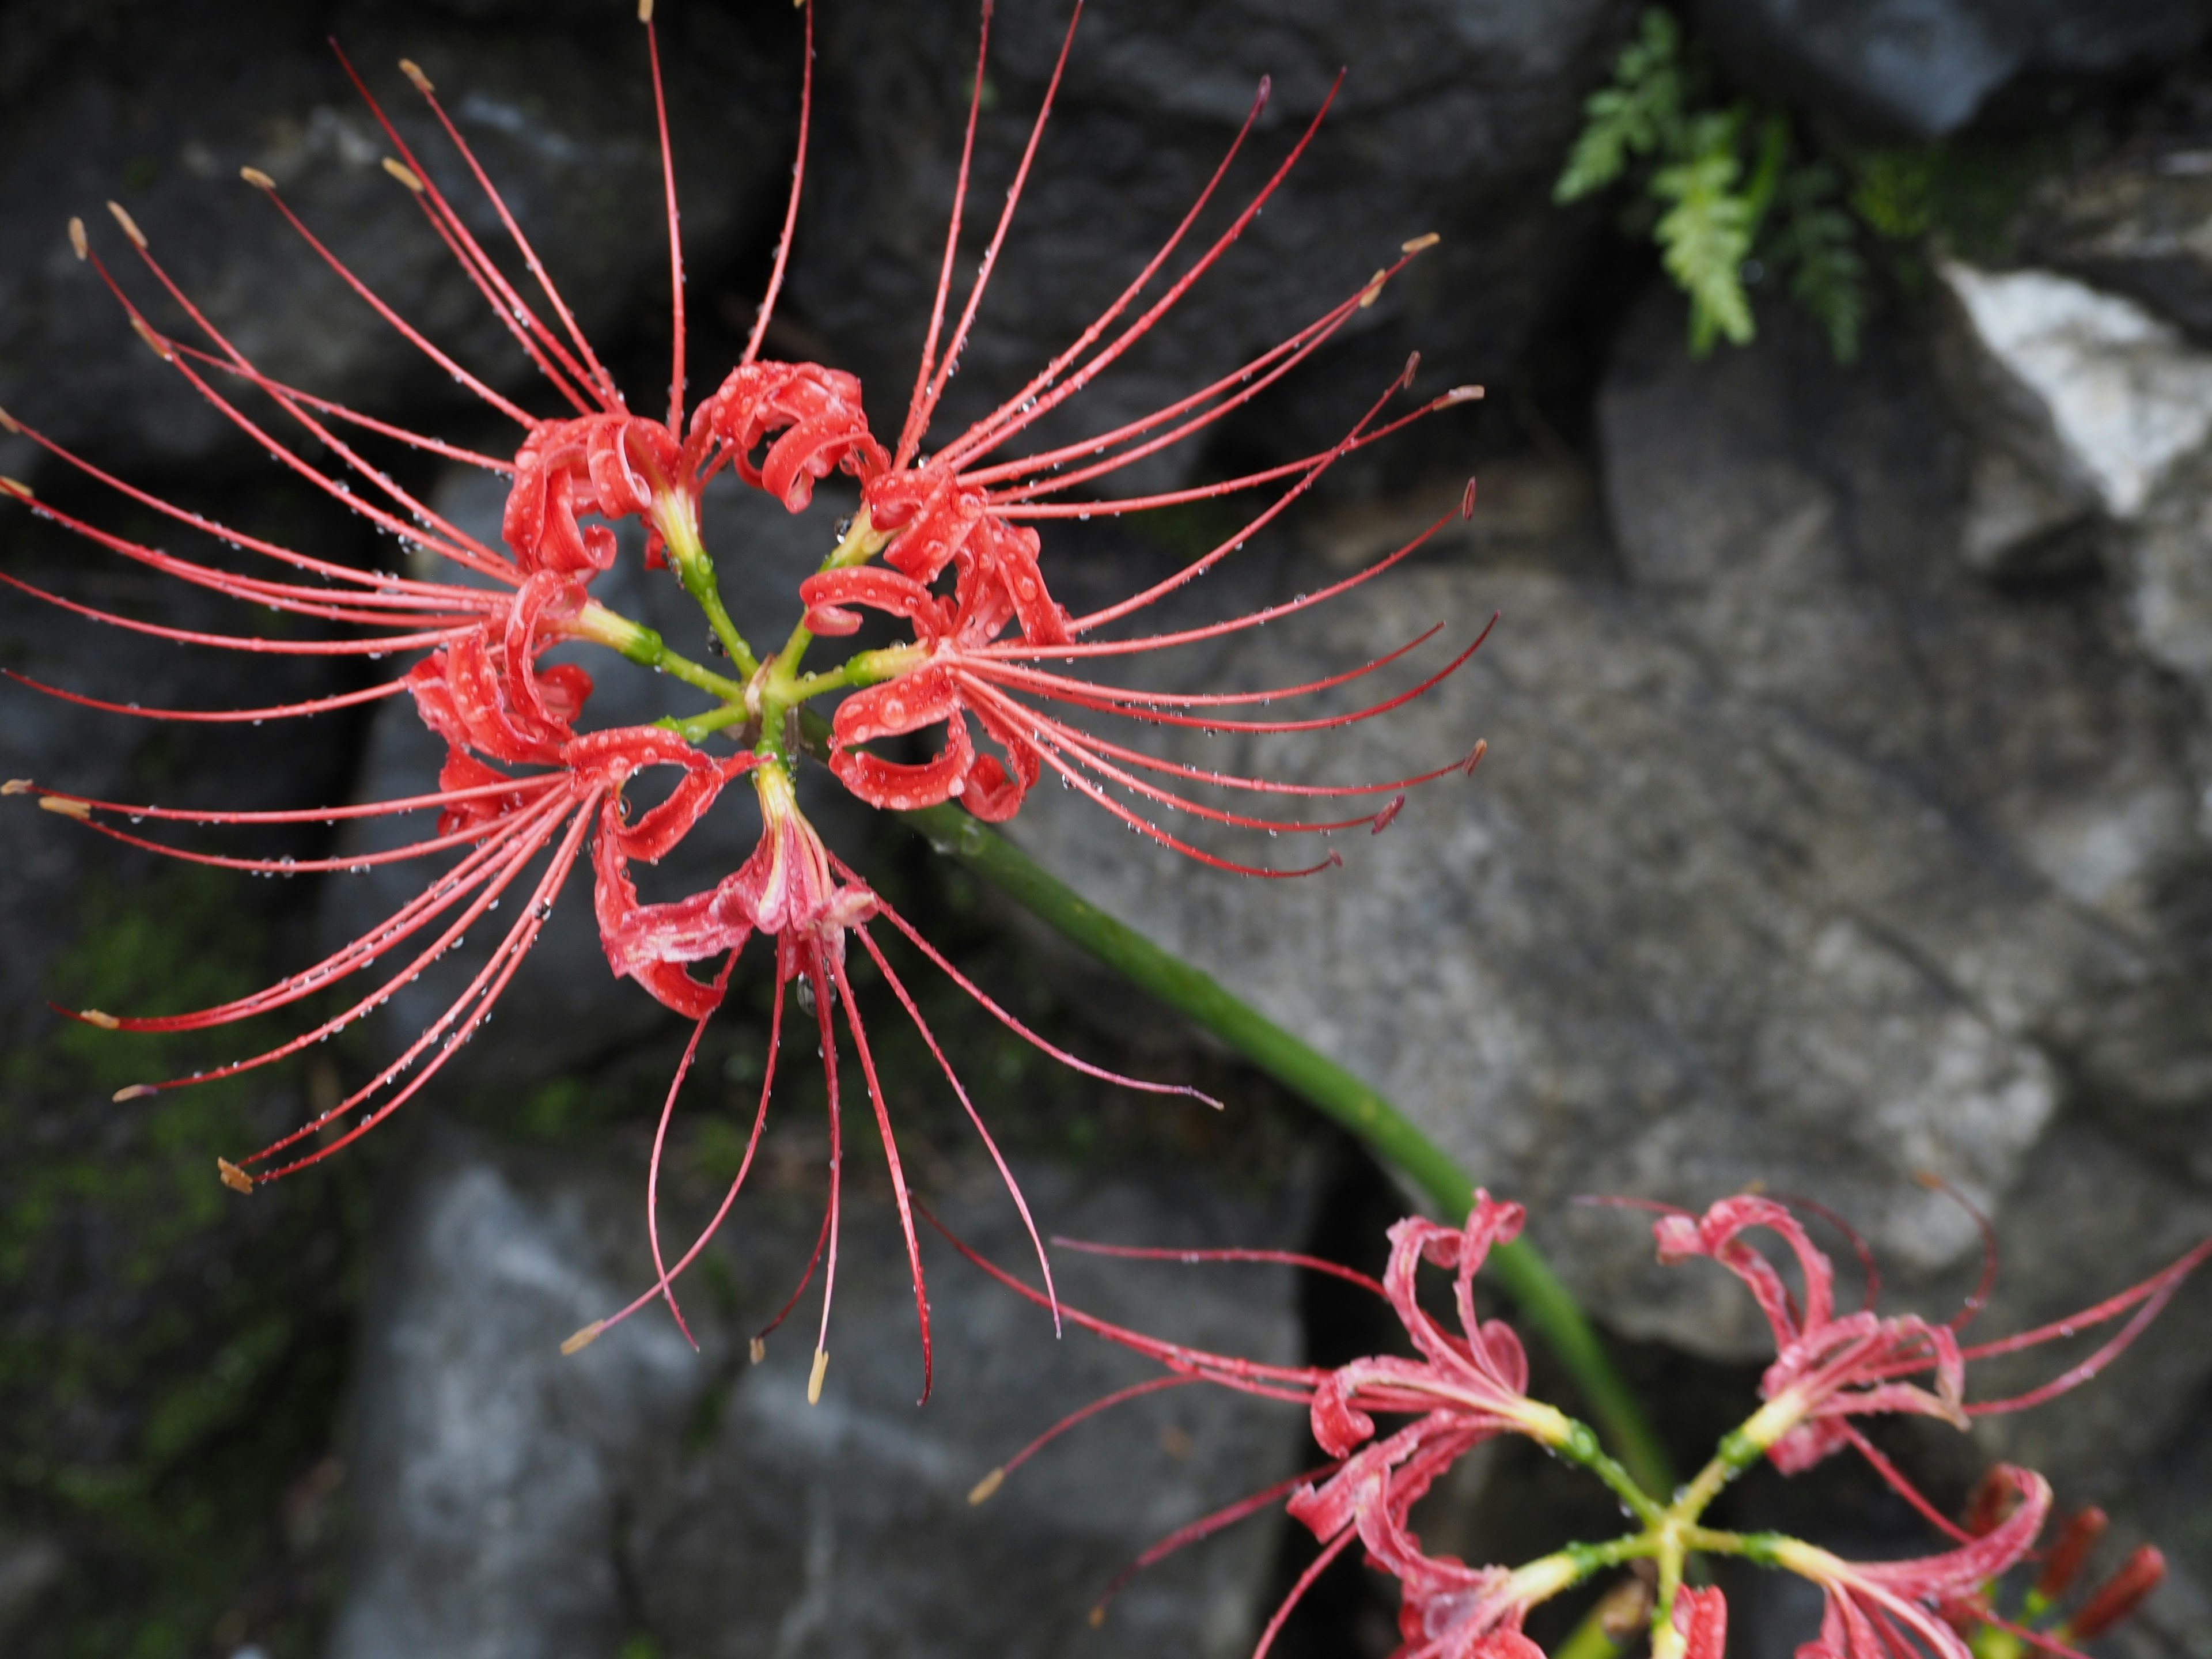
(525, 789)
(1830, 1367)
(1461, 1390)
(1893, 1609)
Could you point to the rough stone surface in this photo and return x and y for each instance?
(1926, 68)
(1800, 855)
(2140, 225)
(2090, 412)
(514, 1503)
(562, 118)
(1453, 117)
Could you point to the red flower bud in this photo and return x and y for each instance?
(2123, 1592)
(2063, 1565)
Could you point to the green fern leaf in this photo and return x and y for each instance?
(1639, 113)
(1705, 236)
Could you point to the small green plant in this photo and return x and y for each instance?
(1727, 191)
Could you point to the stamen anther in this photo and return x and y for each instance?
(15, 487)
(1419, 242)
(134, 1091)
(585, 1338)
(162, 349)
(79, 810)
(990, 1483)
(756, 1351)
(1374, 290)
(405, 174)
(94, 1017)
(256, 178)
(413, 71)
(8, 422)
(645, 11)
(17, 787)
(814, 1379)
(130, 225)
(76, 237)
(234, 1178)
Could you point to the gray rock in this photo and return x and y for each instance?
(489, 1473)
(2140, 225)
(1925, 68)
(28, 1567)
(2088, 410)
(562, 120)
(512, 1502)
(1799, 855)
(1453, 119)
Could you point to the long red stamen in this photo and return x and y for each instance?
(218, 716)
(675, 236)
(1002, 429)
(916, 414)
(900, 1197)
(998, 1160)
(659, 1141)
(2154, 1294)
(406, 331)
(983, 435)
(919, 418)
(520, 321)
(976, 994)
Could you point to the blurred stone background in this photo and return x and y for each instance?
(1847, 814)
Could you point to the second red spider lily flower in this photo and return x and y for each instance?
(1459, 1390)
(1831, 1367)
(1892, 1609)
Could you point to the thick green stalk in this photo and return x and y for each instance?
(1547, 1303)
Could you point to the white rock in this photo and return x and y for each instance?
(2121, 393)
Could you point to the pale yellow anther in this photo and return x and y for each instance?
(585, 1338)
(756, 1351)
(17, 787)
(234, 1178)
(94, 1016)
(645, 11)
(413, 71)
(8, 422)
(405, 174)
(135, 1091)
(76, 238)
(990, 1483)
(160, 345)
(79, 810)
(256, 178)
(814, 1378)
(16, 488)
(1374, 288)
(1419, 242)
(1460, 394)
(130, 225)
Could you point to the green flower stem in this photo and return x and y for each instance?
(1547, 1303)
(643, 645)
(677, 518)
(860, 542)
